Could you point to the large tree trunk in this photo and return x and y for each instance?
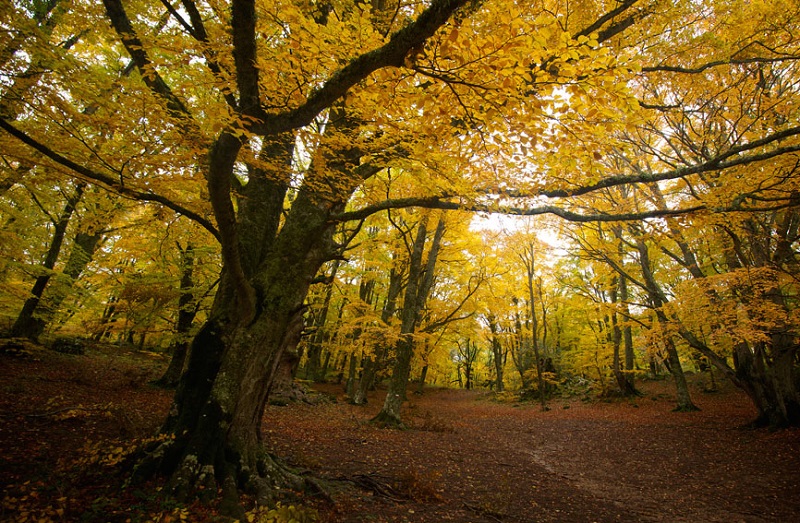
(769, 380)
(216, 417)
(770, 388)
(259, 308)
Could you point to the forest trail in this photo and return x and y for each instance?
(465, 457)
(581, 461)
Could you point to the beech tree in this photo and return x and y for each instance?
(260, 121)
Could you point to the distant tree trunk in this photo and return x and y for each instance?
(390, 413)
(528, 257)
(351, 375)
(186, 314)
(629, 358)
(340, 376)
(27, 325)
(683, 397)
(373, 363)
(520, 354)
(314, 359)
(624, 383)
(414, 300)
(499, 354)
(657, 297)
(468, 354)
(84, 246)
(110, 312)
(422, 377)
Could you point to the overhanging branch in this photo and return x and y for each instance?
(108, 182)
(725, 160)
(450, 204)
(718, 63)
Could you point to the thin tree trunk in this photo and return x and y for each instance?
(628, 337)
(683, 398)
(27, 325)
(498, 354)
(417, 289)
(390, 413)
(422, 377)
(529, 259)
(373, 363)
(351, 376)
(314, 360)
(624, 383)
(186, 314)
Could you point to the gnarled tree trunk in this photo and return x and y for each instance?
(217, 413)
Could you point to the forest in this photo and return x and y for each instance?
(471, 244)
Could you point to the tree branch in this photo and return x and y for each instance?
(442, 202)
(243, 27)
(108, 182)
(391, 54)
(617, 27)
(122, 25)
(717, 63)
(717, 163)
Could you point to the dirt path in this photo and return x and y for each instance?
(465, 458)
(468, 459)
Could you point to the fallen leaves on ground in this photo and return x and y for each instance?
(69, 421)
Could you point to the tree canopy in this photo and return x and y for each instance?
(288, 181)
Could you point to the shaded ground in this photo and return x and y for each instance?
(620, 461)
(66, 422)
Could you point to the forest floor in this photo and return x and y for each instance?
(67, 422)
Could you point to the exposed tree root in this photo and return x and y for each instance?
(223, 477)
(386, 420)
(379, 485)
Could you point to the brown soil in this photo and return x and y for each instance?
(465, 457)
(578, 462)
